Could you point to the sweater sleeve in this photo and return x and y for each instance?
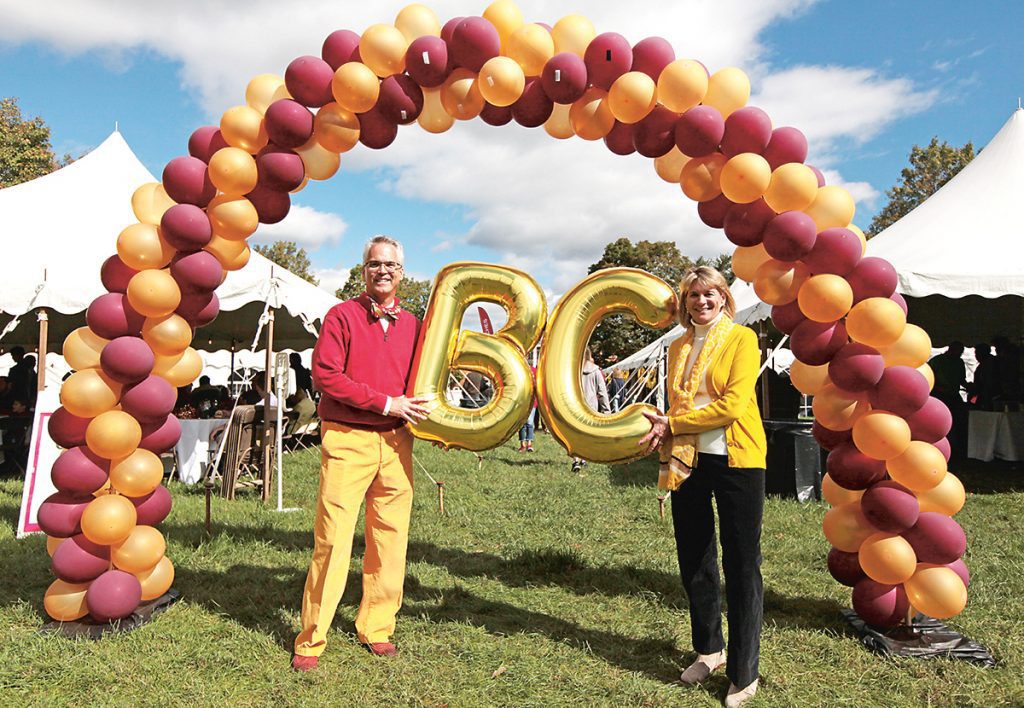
(329, 377)
(725, 410)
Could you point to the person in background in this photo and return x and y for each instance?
(950, 379)
(982, 391)
(22, 377)
(526, 432)
(1008, 366)
(205, 397)
(616, 389)
(595, 394)
(6, 395)
(303, 377)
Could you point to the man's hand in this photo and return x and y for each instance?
(659, 429)
(411, 409)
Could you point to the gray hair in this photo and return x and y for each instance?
(380, 238)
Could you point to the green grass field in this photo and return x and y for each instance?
(538, 587)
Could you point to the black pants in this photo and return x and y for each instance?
(739, 496)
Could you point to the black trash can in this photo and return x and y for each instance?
(795, 466)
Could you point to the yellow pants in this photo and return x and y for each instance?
(358, 464)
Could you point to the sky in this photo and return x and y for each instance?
(865, 81)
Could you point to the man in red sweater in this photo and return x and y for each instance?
(361, 365)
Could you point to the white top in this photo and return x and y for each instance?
(710, 441)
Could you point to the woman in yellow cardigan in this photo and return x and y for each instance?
(713, 444)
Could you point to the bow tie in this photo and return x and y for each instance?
(378, 311)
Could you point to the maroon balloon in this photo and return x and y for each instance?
(60, 514)
(960, 568)
(401, 99)
(931, 422)
(815, 343)
(620, 139)
(564, 78)
(533, 108)
(115, 274)
(152, 399)
(901, 390)
(161, 436)
(845, 567)
(872, 277)
(608, 56)
(901, 301)
(699, 131)
(113, 596)
(79, 560)
(496, 115)
(880, 605)
(340, 47)
(186, 227)
(79, 471)
(714, 211)
(746, 130)
(308, 80)
(936, 538)
(199, 309)
(427, 61)
(787, 317)
(790, 235)
(187, 182)
(197, 272)
(474, 41)
(785, 145)
(944, 447)
(448, 29)
(205, 141)
(279, 168)
(110, 316)
(67, 430)
(856, 367)
(652, 55)
(890, 506)
(654, 135)
(828, 438)
(836, 251)
(127, 360)
(289, 123)
(852, 469)
(375, 130)
(271, 205)
(745, 223)
(819, 175)
(152, 508)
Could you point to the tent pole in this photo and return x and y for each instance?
(231, 371)
(762, 335)
(44, 329)
(268, 432)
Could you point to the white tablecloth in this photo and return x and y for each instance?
(995, 435)
(192, 451)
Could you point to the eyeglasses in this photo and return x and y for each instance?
(389, 266)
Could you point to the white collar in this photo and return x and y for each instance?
(701, 330)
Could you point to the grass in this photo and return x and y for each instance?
(537, 588)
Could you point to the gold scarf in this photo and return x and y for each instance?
(678, 453)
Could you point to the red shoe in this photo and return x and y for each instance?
(382, 649)
(304, 663)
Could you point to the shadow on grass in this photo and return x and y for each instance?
(639, 473)
(994, 477)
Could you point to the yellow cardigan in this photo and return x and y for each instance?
(731, 379)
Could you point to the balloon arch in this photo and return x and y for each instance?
(893, 539)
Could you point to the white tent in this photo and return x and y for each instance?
(59, 228)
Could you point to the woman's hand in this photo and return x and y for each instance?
(659, 429)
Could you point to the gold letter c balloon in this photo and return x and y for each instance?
(584, 432)
(500, 356)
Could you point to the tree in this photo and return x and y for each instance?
(412, 292)
(289, 256)
(930, 168)
(25, 150)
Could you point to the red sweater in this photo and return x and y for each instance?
(356, 365)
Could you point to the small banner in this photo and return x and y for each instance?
(485, 321)
(42, 453)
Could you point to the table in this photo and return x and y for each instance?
(995, 435)
(192, 450)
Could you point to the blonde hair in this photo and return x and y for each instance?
(380, 238)
(707, 277)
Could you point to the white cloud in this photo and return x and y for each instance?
(331, 279)
(306, 226)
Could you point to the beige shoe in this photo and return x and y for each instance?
(703, 667)
(738, 696)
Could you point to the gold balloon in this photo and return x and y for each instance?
(670, 165)
(887, 558)
(232, 217)
(51, 544)
(264, 89)
(355, 87)
(825, 297)
(700, 178)
(860, 234)
(836, 495)
(242, 127)
(837, 409)
(531, 46)
(928, 374)
(559, 126)
(149, 202)
(882, 435)
(846, 527)
(142, 247)
(382, 48)
(416, 20)
(947, 497)
(233, 255)
(434, 118)
(154, 293)
(140, 552)
(65, 602)
(506, 17)
(937, 591)
(582, 431)
(728, 91)
(460, 95)
(169, 335)
(82, 349)
(108, 519)
(501, 81)
(88, 393)
(920, 467)
(832, 206)
(808, 379)
(792, 187)
(233, 171)
(500, 356)
(779, 282)
(113, 434)
(179, 369)
(682, 85)
(745, 178)
(877, 321)
(913, 348)
(573, 33)
(747, 259)
(137, 474)
(632, 97)
(335, 128)
(320, 163)
(157, 580)
(591, 116)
